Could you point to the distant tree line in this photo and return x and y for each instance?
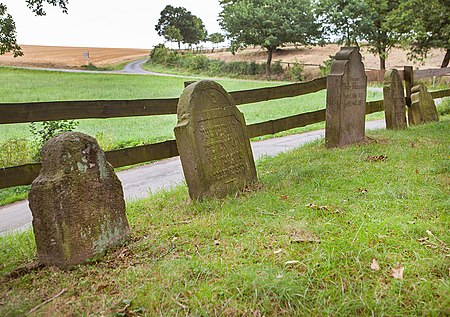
(379, 24)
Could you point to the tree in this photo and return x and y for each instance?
(343, 19)
(8, 35)
(269, 23)
(424, 26)
(352, 21)
(8, 42)
(191, 27)
(173, 34)
(380, 37)
(216, 38)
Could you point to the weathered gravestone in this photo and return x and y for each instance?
(422, 108)
(346, 99)
(394, 100)
(213, 142)
(77, 202)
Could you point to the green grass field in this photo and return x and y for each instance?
(18, 85)
(300, 243)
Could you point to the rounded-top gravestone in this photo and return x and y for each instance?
(346, 99)
(77, 202)
(394, 100)
(213, 142)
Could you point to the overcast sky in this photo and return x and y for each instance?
(103, 23)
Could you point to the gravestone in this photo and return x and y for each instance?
(77, 202)
(394, 100)
(422, 108)
(213, 142)
(346, 99)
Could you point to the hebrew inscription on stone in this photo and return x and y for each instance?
(212, 141)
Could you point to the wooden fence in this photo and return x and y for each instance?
(45, 111)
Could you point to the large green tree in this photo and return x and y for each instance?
(353, 21)
(343, 20)
(8, 35)
(269, 23)
(380, 37)
(191, 27)
(424, 25)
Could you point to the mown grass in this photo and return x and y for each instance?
(329, 211)
(18, 85)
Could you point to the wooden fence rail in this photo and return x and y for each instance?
(43, 111)
(64, 110)
(25, 174)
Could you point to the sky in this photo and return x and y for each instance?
(103, 23)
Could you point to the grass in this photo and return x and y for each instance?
(17, 85)
(300, 243)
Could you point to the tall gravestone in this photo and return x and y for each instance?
(423, 108)
(346, 99)
(394, 100)
(77, 202)
(213, 142)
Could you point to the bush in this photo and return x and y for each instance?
(295, 73)
(326, 67)
(17, 152)
(215, 66)
(197, 62)
(236, 68)
(277, 68)
(158, 54)
(444, 108)
(49, 129)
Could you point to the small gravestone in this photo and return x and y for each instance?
(77, 202)
(346, 99)
(422, 108)
(394, 100)
(213, 142)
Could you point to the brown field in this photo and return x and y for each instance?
(70, 57)
(316, 55)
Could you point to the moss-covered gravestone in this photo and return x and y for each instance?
(394, 100)
(77, 202)
(346, 99)
(213, 142)
(423, 108)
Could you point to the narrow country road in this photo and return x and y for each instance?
(138, 182)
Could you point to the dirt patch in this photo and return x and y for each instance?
(317, 55)
(70, 57)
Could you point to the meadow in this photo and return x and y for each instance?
(18, 85)
(360, 231)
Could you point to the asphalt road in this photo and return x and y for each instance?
(140, 181)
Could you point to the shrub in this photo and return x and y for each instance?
(158, 54)
(17, 152)
(215, 66)
(277, 68)
(295, 73)
(326, 67)
(444, 108)
(197, 62)
(49, 129)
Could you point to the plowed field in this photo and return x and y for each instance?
(70, 57)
